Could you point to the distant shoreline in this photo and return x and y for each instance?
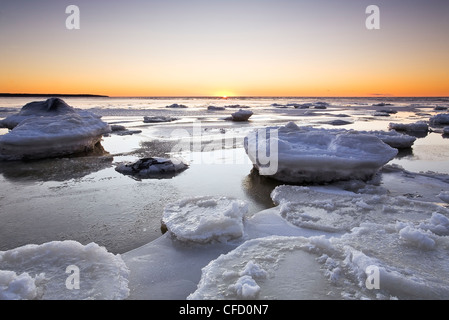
(27, 95)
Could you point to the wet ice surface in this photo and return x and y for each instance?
(331, 239)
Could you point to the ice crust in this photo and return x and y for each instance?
(38, 272)
(404, 240)
(308, 155)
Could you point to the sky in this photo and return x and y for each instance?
(225, 48)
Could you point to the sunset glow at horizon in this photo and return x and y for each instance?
(225, 48)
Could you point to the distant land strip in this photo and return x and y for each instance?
(26, 95)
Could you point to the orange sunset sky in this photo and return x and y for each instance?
(232, 48)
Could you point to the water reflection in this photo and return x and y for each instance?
(56, 169)
(259, 188)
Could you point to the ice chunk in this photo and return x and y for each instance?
(205, 219)
(417, 237)
(17, 287)
(440, 119)
(438, 224)
(246, 288)
(444, 195)
(49, 108)
(420, 126)
(40, 272)
(152, 168)
(53, 136)
(395, 139)
(446, 130)
(242, 115)
(307, 155)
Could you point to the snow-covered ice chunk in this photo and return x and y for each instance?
(53, 136)
(395, 139)
(40, 272)
(17, 287)
(416, 237)
(242, 115)
(444, 195)
(205, 219)
(152, 167)
(48, 108)
(440, 119)
(308, 155)
(420, 126)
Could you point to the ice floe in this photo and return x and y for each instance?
(53, 136)
(205, 219)
(308, 155)
(53, 271)
(48, 108)
(440, 119)
(420, 126)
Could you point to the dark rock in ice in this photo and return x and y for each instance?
(440, 108)
(339, 122)
(214, 108)
(389, 111)
(303, 106)
(158, 119)
(177, 106)
(152, 168)
(382, 104)
(321, 105)
(381, 114)
(241, 115)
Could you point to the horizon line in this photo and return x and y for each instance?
(5, 95)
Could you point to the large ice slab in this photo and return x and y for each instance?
(308, 155)
(49, 271)
(48, 108)
(205, 219)
(50, 129)
(340, 212)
